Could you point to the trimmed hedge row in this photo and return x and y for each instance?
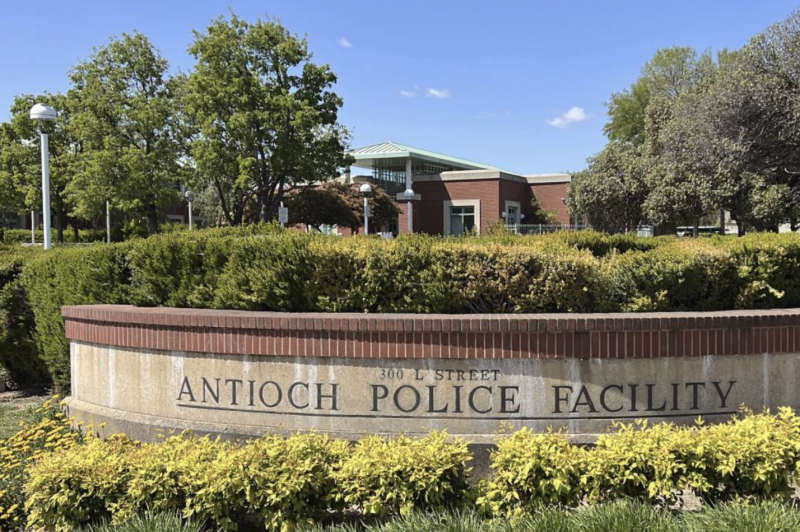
(265, 268)
(310, 478)
(23, 236)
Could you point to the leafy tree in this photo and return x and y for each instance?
(20, 159)
(266, 115)
(125, 115)
(667, 75)
(610, 193)
(336, 203)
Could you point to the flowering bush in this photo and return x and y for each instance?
(48, 431)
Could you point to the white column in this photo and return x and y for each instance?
(46, 190)
(347, 180)
(410, 209)
(408, 174)
(33, 227)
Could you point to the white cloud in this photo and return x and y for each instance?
(344, 43)
(437, 93)
(575, 114)
(407, 94)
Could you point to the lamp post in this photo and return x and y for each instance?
(190, 199)
(366, 191)
(44, 113)
(409, 195)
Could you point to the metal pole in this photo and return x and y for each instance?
(190, 216)
(46, 190)
(410, 214)
(108, 222)
(283, 225)
(366, 216)
(33, 227)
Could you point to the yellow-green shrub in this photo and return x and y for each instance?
(49, 431)
(77, 485)
(754, 456)
(291, 480)
(397, 475)
(532, 470)
(646, 462)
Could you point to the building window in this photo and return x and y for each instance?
(462, 220)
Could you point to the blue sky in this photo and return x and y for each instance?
(492, 81)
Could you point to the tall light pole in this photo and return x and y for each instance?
(366, 191)
(409, 195)
(45, 113)
(190, 199)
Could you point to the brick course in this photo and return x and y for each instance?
(438, 336)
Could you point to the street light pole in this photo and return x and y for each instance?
(366, 191)
(190, 199)
(44, 113)
(409, 194)
(46, 189)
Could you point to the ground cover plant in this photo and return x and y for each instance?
(262, 267)
(54, 478)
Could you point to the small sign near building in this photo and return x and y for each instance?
(283, 215)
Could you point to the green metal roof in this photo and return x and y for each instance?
(392, 150)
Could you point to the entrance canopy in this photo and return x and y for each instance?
(390, 161)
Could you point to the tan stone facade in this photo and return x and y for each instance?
(247, 373)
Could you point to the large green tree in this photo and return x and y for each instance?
(20, 159)
(266, 116)
(125, 114)
(667, 75)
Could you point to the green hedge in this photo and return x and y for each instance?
(23, 236)
(265, 268)
(306, 478)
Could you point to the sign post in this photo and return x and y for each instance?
(283, 215)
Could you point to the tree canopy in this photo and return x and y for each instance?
(266, 116)
(713, 133)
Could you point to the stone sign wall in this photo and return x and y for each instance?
(142, 371)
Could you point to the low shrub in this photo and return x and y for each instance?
(753, 456)
(48, 431)
(388, 476)
(532, 470)
(23, 236)
(293, 480)
(74, 486)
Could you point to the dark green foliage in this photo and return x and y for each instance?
(23, 236)
(18, 355)
(262, 267)
(71, 276)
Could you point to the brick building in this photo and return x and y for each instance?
(451, 195)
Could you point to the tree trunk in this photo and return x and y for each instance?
(722, 222)
(696, 228)
(59, 224)
(152, 219)
(740, 229)
(263, 212)
(76, 232)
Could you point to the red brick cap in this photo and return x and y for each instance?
(496, 336)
